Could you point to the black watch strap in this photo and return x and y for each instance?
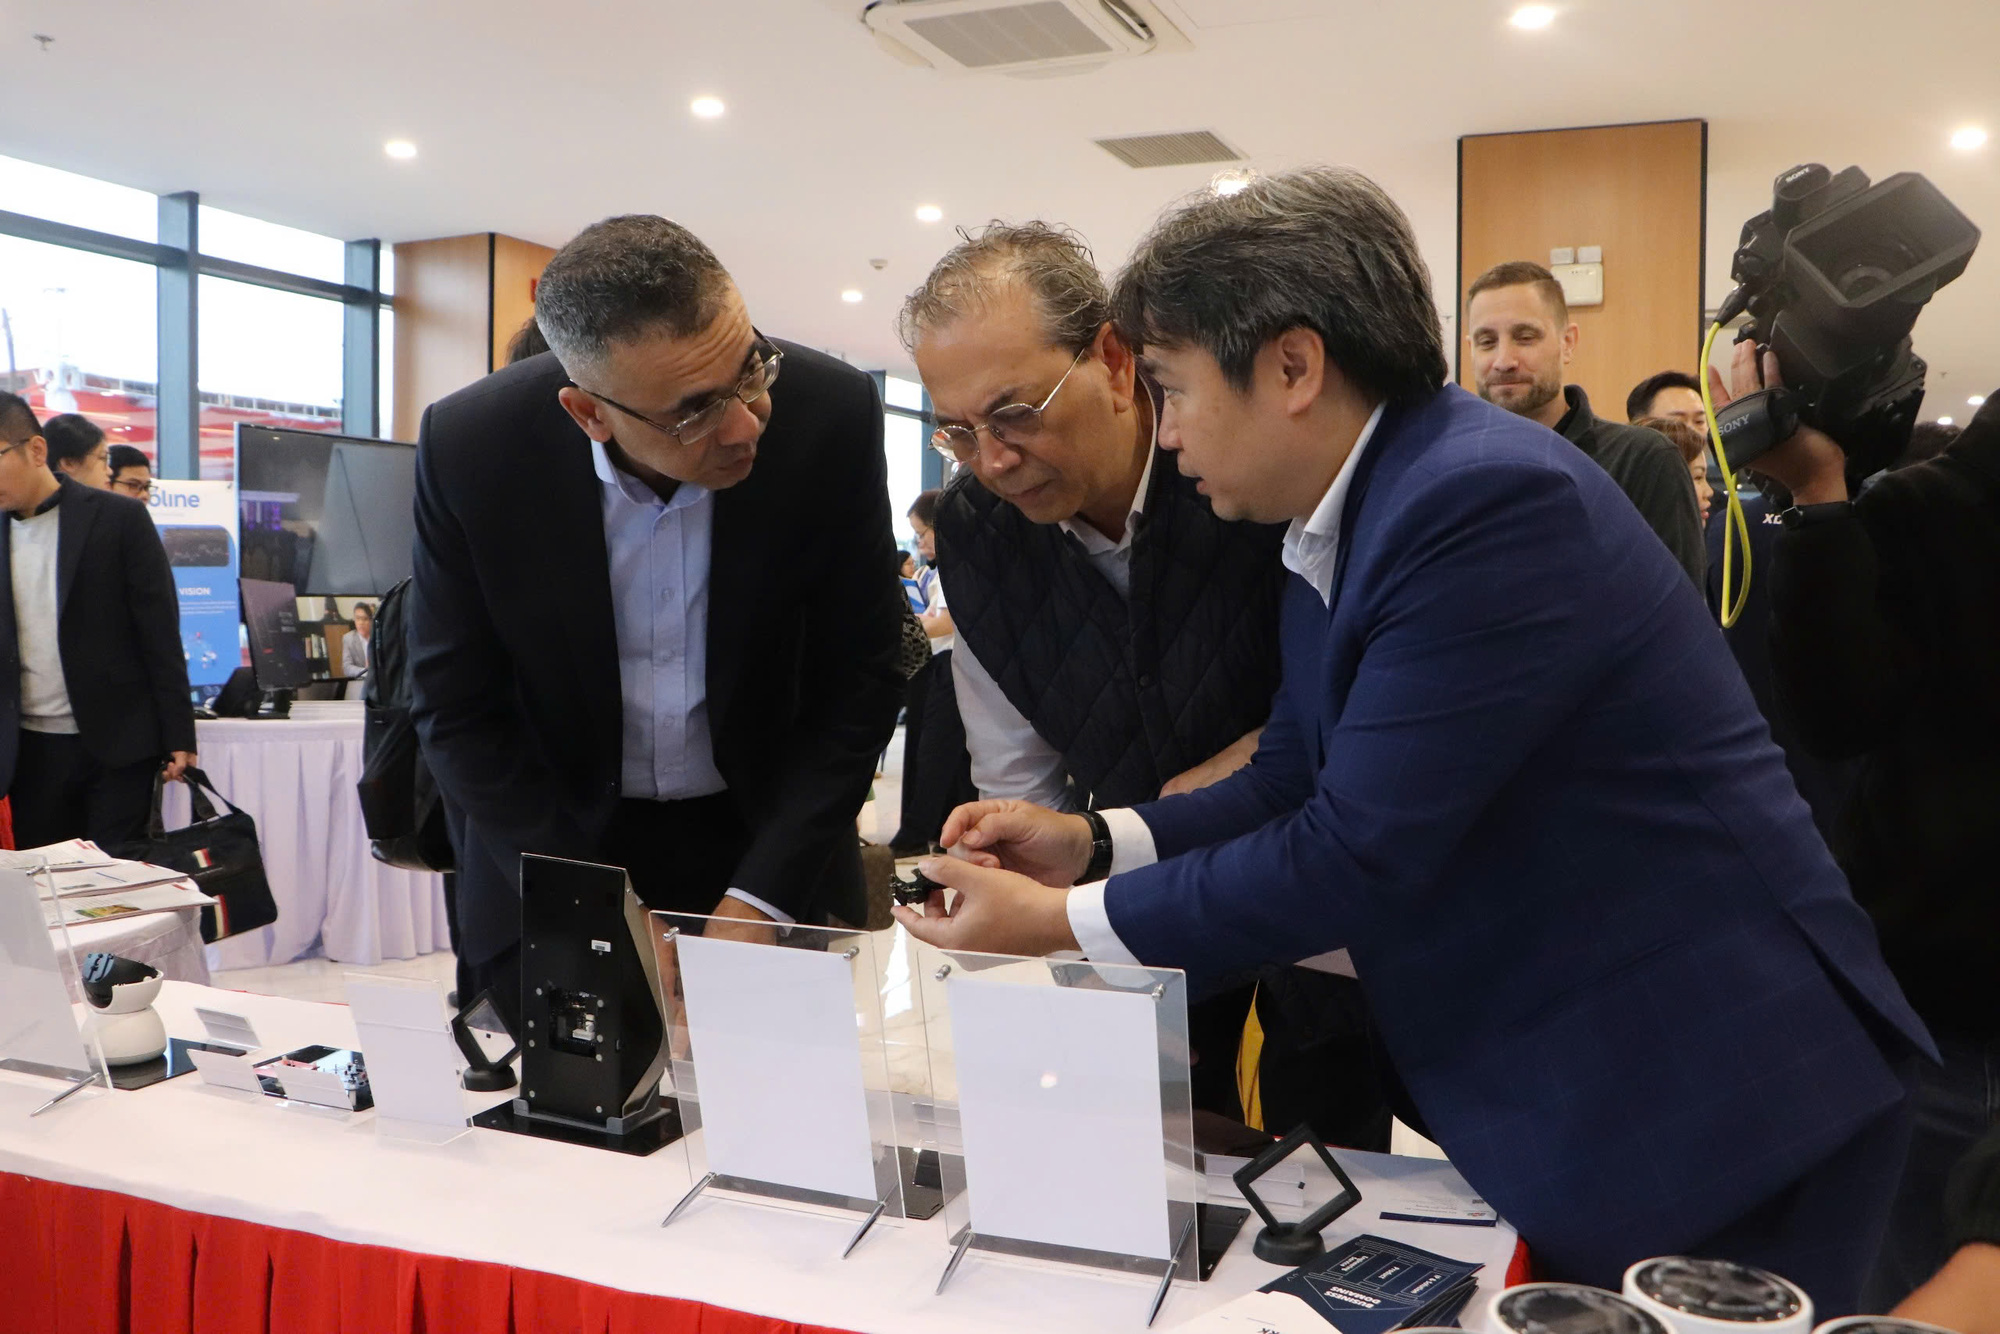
(1805, 516)
(1099, 865)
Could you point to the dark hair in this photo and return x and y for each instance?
(1052, 262)
(526, 342)
(1927, 441)
(1522, 273)
(1321, 248)
(1691, 443)
(360, 607)
(1640, 400)
(924, 507)
(71, 437)
(623, 277)
(128, 456)
(17, 419)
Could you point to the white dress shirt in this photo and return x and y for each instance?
(1009, 757)
(1312, 552)
(32, 552)
(659, 552)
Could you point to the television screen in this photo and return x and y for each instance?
(277, 645)
(331, 515)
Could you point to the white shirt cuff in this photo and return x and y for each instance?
(1132, 843)
(775, 914)
(1091, 926)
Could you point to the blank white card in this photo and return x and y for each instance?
(1059, 1105)
(777, 1063)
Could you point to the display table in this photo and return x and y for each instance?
(169, 941)
(188, 1207)
(296, 777)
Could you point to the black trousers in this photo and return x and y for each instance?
(60, 792)
(680, 856)
(937, 770)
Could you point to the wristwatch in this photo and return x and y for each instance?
(1805, 516)
(1099, 865)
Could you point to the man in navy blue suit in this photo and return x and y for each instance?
(1511, 768)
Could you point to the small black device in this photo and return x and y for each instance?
(1834, 276)
(483, 1073)
(277, 644)
(914, 892)
(594, 1036)
(1292, 1244)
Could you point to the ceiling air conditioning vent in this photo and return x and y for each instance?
(1170, 150)
(1022, 37)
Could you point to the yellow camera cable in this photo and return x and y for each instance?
(1735, 528)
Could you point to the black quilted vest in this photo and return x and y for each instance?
(1131, 695)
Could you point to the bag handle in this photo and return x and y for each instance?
(200, 809)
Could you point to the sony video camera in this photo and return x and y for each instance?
(1834, 277)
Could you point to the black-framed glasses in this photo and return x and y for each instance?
(1013, 424)
(133, 487)
(756, 382)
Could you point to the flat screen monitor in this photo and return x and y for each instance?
(331, 515)
(277, 645)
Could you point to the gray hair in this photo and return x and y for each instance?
(626, 276)
(1052, 262)
(1321, 248)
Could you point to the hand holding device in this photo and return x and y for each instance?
(1019, 836)
(998, 911)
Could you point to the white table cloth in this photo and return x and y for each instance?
(295, 776)
(169, 941)
(594, 1215)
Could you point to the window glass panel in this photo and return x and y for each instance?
(385, 384)
(228, 235)
(903, 450)
(900, 393)
(269, 358)
(78, 333)
(81, 201)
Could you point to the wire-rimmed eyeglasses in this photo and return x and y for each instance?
(756, 382)
(1013, 424)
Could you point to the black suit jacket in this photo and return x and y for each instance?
(118, 623)
(514, 652)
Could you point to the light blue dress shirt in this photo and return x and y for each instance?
(659, 552)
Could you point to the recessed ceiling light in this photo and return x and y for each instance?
(929, 213)
(851, 296)
(1944, 421)
(1968, 137)
(1975, 401)
(708, 108)
(1532, 16)
(400, 149)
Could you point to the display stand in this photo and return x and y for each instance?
(39, 1030)
(780, 1068)
(1063, 1120)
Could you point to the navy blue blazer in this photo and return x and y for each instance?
(1516, 773)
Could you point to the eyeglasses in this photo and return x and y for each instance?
(756, 382)
(132, 486)
(1014, 424)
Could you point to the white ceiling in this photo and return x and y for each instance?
(535, 118)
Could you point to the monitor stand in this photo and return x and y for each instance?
(277, 704)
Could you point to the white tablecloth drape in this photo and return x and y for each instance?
(296, 778)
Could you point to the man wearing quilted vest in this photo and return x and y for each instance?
(1116, 640)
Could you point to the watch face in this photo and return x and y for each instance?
(1718, 1290)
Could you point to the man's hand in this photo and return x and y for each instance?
(743, 922)
(997, 911)
(1020, 836)
(1809, 465)
(178, 764)
(1217, 767)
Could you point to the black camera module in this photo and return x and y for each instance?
(913, 892)
(1833, 277)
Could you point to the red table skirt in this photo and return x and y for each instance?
(80, 1261)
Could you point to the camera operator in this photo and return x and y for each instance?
(1885, 646)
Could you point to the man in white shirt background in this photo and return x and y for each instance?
(94, 694)
(1116, 641)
